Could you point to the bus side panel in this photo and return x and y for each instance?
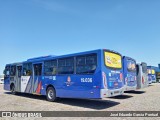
(30, 85)
(74, 86)
(26, 84)
(7, 84)
(37, 85)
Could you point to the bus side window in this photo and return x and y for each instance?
(91, 62)
(66, 66)
(80, 64)
(50, 67)
(27, 69)
(19, 70)
(13, 70)
(86, 64)
(24, 71)
(7, 73)
(137, 69)
(38, 69)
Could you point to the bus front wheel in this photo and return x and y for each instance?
(51, 94)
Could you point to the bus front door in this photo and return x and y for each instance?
(18, 78)
(37, 78)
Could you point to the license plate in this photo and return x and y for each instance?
(116, 92)
(115, 84)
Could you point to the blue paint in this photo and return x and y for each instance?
(129, 72)
(151, 76)
(78, 85)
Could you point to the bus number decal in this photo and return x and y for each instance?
(86, 80)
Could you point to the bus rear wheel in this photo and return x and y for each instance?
(51, 94)
(13, 89)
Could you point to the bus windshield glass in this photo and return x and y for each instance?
(144, 67)
(131, 65)
(151, 71)
(112, 60)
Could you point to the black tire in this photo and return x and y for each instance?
(51, 94)
(13, 90)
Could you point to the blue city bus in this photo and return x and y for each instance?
(151, 74)
(90, 75)
(129, 73)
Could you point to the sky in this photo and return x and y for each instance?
(32, 28)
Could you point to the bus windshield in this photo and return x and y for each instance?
(113, 60)
(144, 67)
(131, 65)
(151, 71)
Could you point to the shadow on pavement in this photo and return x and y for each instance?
(86, 103)
(122, 97)
(97, 104)
(40, 97)
(135, 92)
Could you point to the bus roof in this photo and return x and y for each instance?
(152, 67)
(143, 63)
(40, 58)
(50, 57)
(17, 63)
(129, 58)
(81, 53)
(149, 66)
